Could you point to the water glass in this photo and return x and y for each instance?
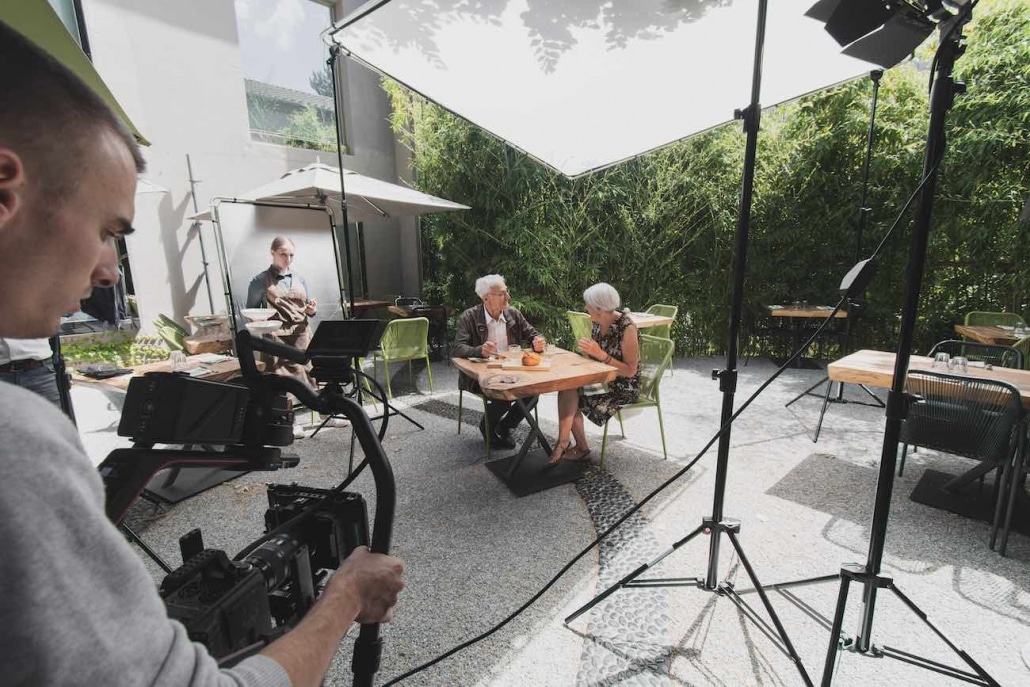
(550, 349)
(959, 365)
(514, 352)
(1020, 331)
(942, 362)
(179, 363)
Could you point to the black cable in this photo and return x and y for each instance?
(793, 356)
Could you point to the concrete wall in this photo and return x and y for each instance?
(176, 68)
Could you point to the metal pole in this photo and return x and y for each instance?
(333, 62)
(728, 377)
(200, 235)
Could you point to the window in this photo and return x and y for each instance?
(289, 86)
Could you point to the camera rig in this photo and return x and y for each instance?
(237, 606)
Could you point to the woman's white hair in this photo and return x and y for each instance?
(484, 284)
(602, 297)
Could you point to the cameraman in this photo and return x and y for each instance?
(77, 605)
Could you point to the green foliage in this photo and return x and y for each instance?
(126, 353)
(310, 128)
(661, 227)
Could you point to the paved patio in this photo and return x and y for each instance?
(475, 553)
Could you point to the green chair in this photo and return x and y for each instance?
(655, 357)
(982, 318)
(664, 331)
(581, 326)
(403, 339)
(1023, 346)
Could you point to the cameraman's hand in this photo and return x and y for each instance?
(373, 580)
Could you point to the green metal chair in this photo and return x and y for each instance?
(664, 331)
(983, 318)
(655, 357)
(403, 339)
(1023, 346)
(581, 326)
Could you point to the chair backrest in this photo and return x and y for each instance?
(987, 318)
(1023, 346)
(655, 357)
(995, 354)
(665, 330)
(581, 326)
(405, 338)
(971, 417)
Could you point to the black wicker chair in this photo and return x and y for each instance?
(996, 355)
(982, 419)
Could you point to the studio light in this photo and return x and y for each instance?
(883, 32)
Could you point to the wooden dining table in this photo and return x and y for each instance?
(220, 371)
(566, 371)
(988, 334)
(643, 320)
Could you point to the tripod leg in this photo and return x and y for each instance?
(633, 575)
(826, 402)
(838, 625)
(791, 651)
(879, 401)
(806, 392)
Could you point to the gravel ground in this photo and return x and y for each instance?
(475, 553)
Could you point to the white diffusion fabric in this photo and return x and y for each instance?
(582, 84)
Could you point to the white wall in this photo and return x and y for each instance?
(176, 68)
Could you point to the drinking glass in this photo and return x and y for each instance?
(959, 365)
(178, 359)
(941, 361)
(550, 349)
(514, 352)
(1020, 331)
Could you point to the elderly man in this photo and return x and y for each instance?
(78, 606)
(488, 329)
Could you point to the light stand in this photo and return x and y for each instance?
(855, 306)
(869, 575)
(717, 525)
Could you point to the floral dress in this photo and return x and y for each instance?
(599, 406)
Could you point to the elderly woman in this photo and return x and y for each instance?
(613, 341)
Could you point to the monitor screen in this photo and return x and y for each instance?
(350, 338)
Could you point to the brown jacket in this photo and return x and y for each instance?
(472, 335)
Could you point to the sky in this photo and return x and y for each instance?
(280, 41)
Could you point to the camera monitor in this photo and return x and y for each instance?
(344, 339)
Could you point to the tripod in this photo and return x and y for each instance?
(717, 524)
(855, 307)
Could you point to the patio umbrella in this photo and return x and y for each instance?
(367, 198)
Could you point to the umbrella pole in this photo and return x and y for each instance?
(333, 62)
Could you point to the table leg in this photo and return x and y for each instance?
(534, 433)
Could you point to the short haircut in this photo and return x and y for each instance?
(484, 284)
(49, 117)
(280, 241)
(602, 296)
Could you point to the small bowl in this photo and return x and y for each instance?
(257, 314)
(262, 328)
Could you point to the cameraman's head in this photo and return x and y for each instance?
(67, 181)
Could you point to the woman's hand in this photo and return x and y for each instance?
(310, 308)
(592, 349)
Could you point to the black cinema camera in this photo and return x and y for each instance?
(235, 607)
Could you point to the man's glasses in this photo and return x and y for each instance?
(502, 294)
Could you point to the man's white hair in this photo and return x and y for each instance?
(484, 284)
(602, 297)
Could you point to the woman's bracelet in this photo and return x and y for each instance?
(608, 359)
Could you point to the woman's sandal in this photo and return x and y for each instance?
(558, 454)
(576, 455)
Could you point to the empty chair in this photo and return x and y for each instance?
(996, 355)
(655, 357)
(982, 318)
(581, 326)
(982, 419)
(403, 340)
(664, 330)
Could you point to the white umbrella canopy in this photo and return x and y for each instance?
(583, 84)
(367, 198)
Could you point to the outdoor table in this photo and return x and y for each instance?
(362, 305)
(644, 320)
(798, 314)
(567, 371)
(988, 334)
(876, 368)
(218, 372)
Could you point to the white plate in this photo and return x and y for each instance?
(257, 314)
(262, 328)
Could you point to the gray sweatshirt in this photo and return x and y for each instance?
(77, 606)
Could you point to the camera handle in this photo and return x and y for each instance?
(368, 647)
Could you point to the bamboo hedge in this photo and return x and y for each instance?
(661, 227)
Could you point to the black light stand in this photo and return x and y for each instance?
(869, 575)
(855, 306)
(64, 387)
(716, 525)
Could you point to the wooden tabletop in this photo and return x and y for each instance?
(360, 304)
(988, 334)
(568, 371)
(820, 311)
(220, 372)
(644, 320)
(876, 368)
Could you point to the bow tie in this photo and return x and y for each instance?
(280, 277)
